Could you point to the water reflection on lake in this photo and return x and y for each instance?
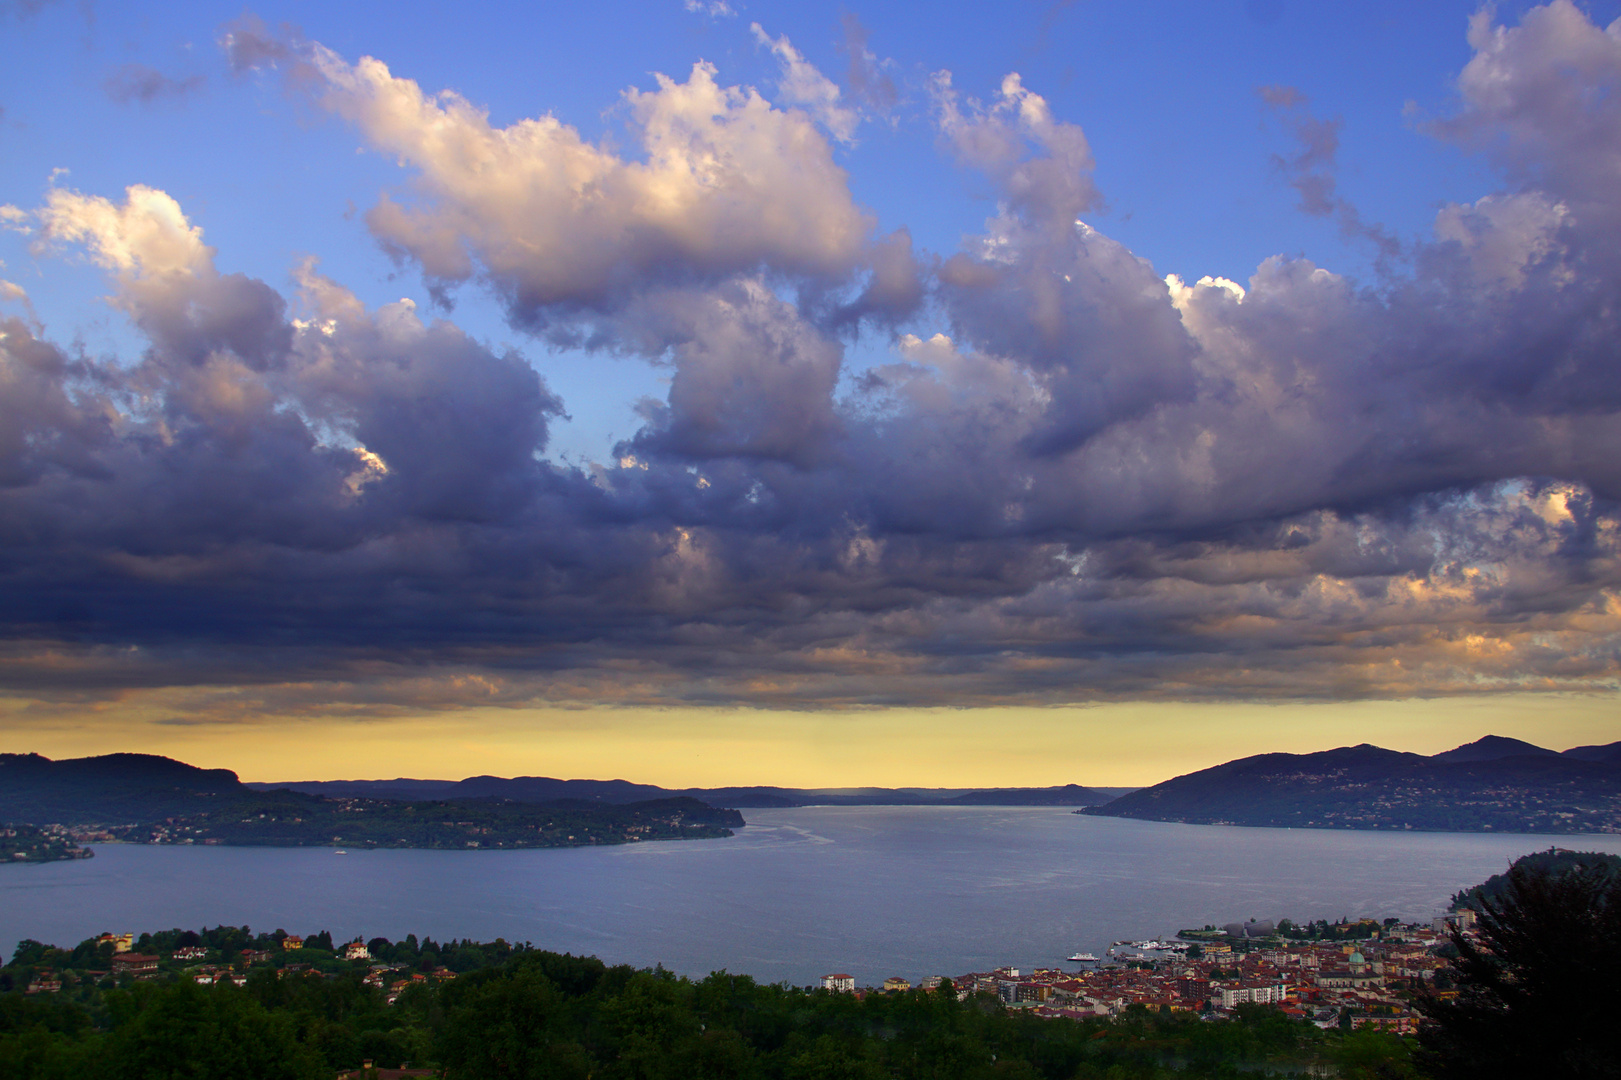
(873, 891)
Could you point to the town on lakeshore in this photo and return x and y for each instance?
(1353, 974)
(1361, 973)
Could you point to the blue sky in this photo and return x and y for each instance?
(871, 395)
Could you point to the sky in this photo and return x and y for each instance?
(709, 393)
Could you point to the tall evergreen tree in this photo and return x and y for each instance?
(1537, 991)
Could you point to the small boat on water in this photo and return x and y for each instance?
(1082, 958)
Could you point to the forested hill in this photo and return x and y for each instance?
(1496, 785)
(139, 798)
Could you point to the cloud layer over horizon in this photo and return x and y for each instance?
(1073, 479)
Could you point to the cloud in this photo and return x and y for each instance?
(251, 45)
(1070, 478)
(1054, 182)
(24, 9)
(715, 9)
(137, 82)
(1311, 170)
(1540, 99)
(869, 83)
(559, 226)
(147, 236)
(245, 440)
(803, 85)
(752, 378)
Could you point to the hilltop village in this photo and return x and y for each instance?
(1364, 976)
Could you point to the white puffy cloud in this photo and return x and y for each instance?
(1504, 235)
(1543, 99)
(803, 85)
(715, 9)
(1052, 184)
(146, 236)
(727, 184)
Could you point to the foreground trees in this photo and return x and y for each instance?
(1539, 992)
(550, 1017)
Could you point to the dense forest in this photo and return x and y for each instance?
(485, 1010)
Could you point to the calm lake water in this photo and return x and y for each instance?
(873, 891)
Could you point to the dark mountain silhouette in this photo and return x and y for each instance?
(111, 787)
(144, 788)
(1068, 795)
(545, 788)
(1498, 785)
(1493, 748)
(1611, 753)
(146, 799)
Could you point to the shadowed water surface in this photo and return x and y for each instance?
(873, 891)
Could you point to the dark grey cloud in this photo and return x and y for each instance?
(251, 44)
(1311, 169)
(1072, 480)
(137, 82)
(24, 9)
(869, 83)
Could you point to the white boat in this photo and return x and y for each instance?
(1082, 958)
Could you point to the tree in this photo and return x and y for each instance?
(220, 1033)
(1537, 993)
(514, 1024)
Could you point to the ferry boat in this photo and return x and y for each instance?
(1082, 958)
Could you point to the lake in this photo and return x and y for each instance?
(872, 891)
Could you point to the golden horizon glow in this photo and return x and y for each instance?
(1108, 745)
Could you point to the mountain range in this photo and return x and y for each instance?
(131, 788)
(1491, 785)
(546, 789)
(141, 798)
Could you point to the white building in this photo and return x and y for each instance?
(1260, 993)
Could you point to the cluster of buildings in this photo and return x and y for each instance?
(186, 962)
(1367, 983)
(391, 978)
